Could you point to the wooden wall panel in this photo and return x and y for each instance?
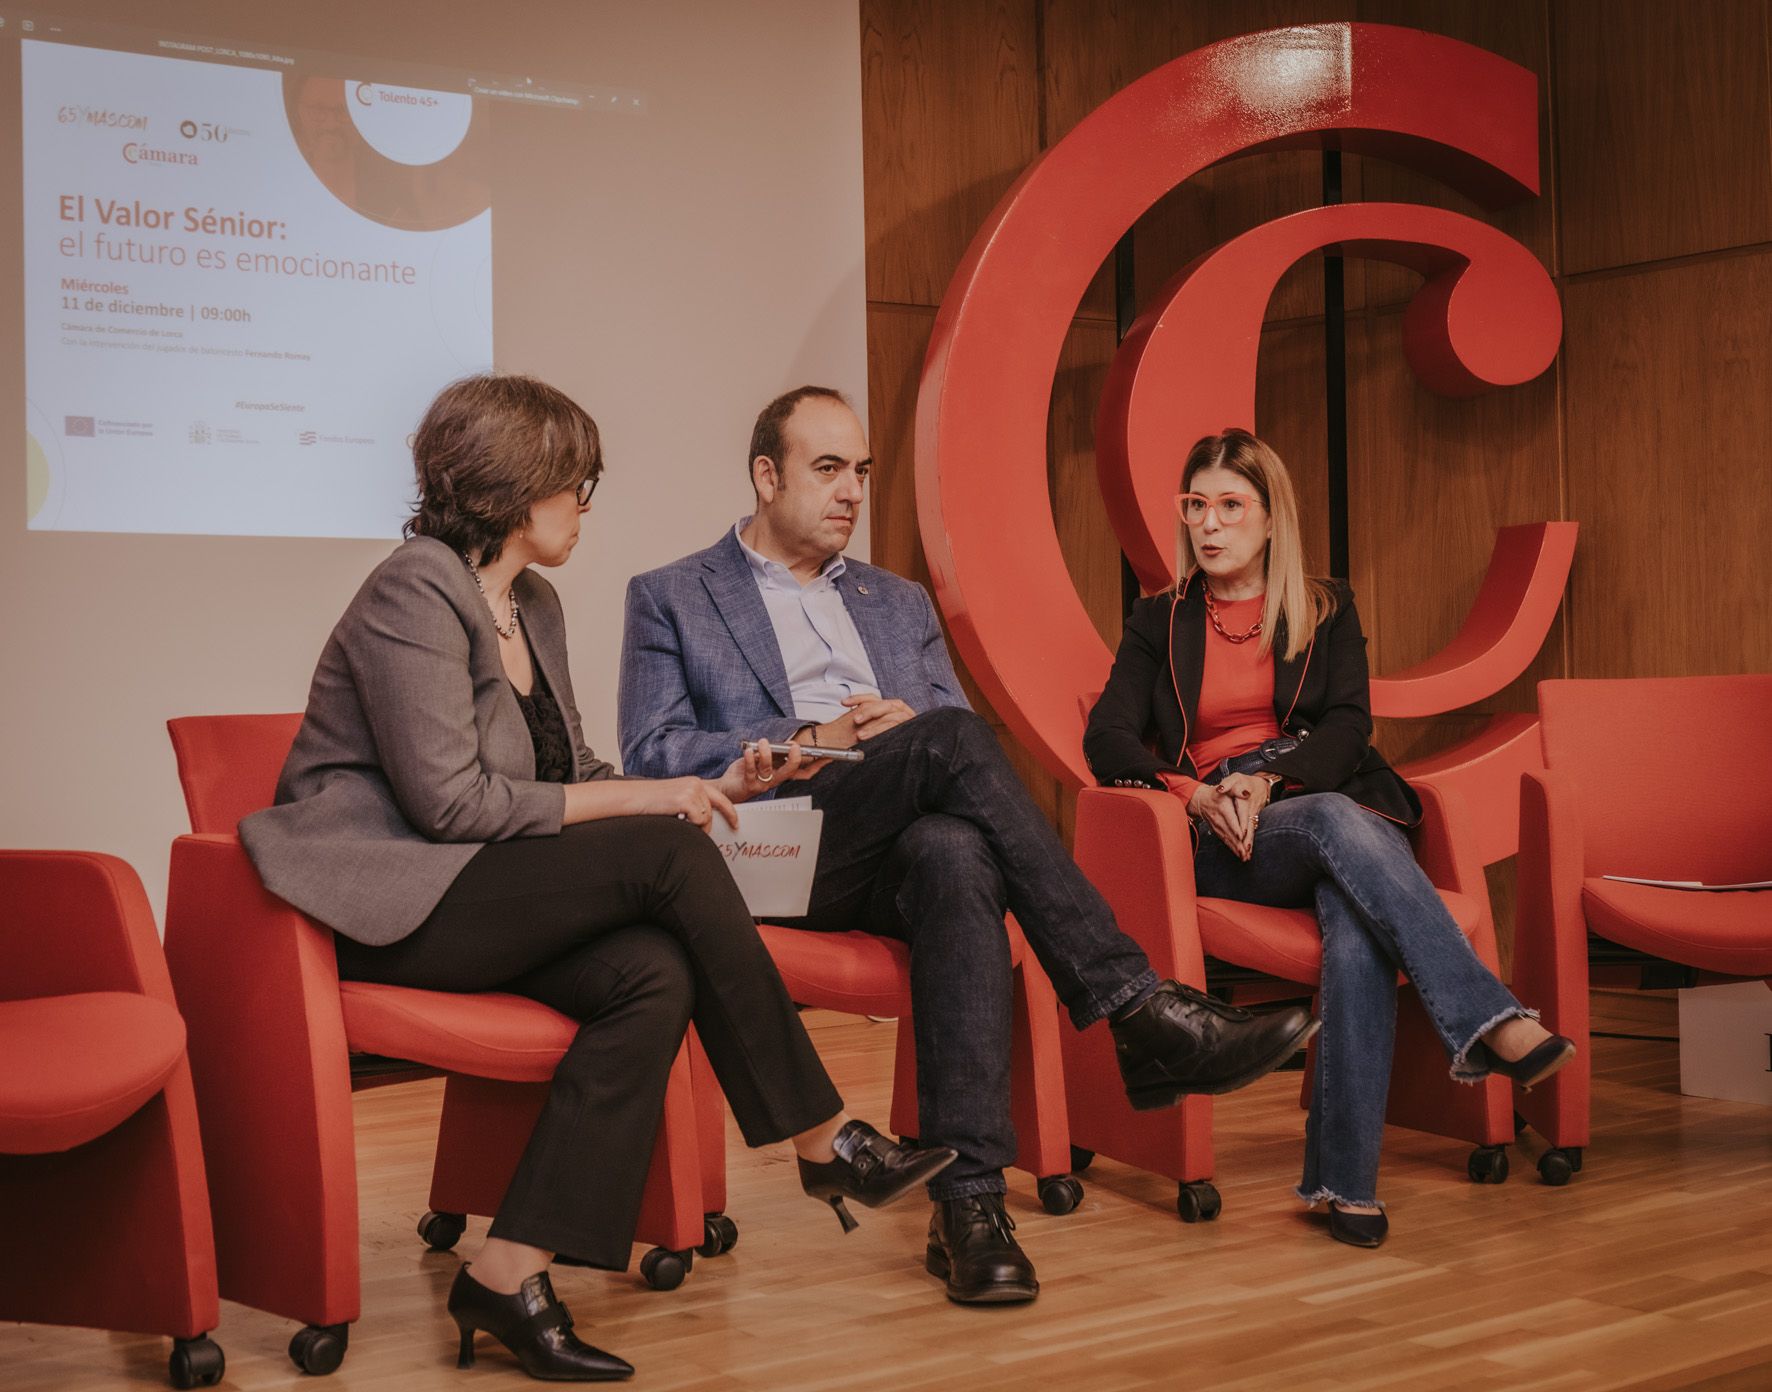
(898, 337)
(1430, 478)
(1663, 129)
(1518, 30)
(1290, 416)
(1670, 412)
(950, 116)
(1092, 51)
(1091, 551)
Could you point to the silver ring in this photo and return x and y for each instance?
(766, 777)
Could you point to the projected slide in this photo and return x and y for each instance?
(241, 288)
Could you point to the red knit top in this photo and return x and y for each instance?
(1236, 711)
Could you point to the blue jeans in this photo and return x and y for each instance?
(1379, 915)
(930, 839)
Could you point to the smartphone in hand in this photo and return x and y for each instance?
(811, 752)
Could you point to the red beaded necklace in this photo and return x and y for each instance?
(1219, 628)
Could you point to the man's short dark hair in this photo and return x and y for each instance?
(766, 434)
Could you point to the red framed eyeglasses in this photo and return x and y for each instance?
(1233, 509)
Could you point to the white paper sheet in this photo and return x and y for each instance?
(773, 854)
(1690, 884)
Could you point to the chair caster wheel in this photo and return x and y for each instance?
(719, 1235)
(1559, 1164)
(1060, 1194)
(663, 1269)
(1081, 1159)
(441, 1231)
(1198, 1202)
(1487, 1164)
(320, 1348)
(196, 1362)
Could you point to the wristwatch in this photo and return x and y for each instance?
(1275, 784)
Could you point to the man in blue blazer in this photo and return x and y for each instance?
(771, 633)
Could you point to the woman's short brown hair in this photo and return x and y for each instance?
(489, 448)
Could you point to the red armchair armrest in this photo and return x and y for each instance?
(277, 1129)
(1137, 849)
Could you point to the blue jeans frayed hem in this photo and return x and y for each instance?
(1323, 1195)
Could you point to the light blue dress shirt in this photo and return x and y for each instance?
(820, 646)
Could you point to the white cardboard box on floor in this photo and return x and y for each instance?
(1726, 1042)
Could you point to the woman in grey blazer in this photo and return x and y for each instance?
(441, 812)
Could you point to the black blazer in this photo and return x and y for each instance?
(1323, 696)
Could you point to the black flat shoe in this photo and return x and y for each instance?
(972, 1247)
(534, 1326)
(1358, 1229)
(1533, 1068)
(1181, 1041)
(871, 1170)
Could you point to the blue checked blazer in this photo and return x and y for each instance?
(701, 668)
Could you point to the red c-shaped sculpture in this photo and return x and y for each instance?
(1486, 316)
(1441, 106)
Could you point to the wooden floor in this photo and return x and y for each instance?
(1652, 1270)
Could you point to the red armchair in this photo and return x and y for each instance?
(101, 1165)
(1658, 778)
(1135, 846)
(278, 1042)
(864, 974)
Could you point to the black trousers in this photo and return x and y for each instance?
(632, 926)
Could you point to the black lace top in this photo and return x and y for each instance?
(547, 730)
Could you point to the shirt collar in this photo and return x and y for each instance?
(775, 571)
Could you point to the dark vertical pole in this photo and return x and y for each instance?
(1125, 311)
(1335, 380)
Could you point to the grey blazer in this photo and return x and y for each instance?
(413, 751)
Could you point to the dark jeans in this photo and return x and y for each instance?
(929, 839)
(633, 927)
(1379, 915)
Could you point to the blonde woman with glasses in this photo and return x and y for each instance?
(1244, 692)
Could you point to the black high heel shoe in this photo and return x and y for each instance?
(534, 1326)
(871, 1170)
(1534, 1067)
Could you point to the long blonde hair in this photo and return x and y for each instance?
(1303, 601)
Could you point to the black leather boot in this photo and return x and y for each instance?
(1180, 1040)
(534, 1326)
(972, 1247)
(871, 1170)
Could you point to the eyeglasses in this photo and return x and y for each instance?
(585, 489)
(1232, 508)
